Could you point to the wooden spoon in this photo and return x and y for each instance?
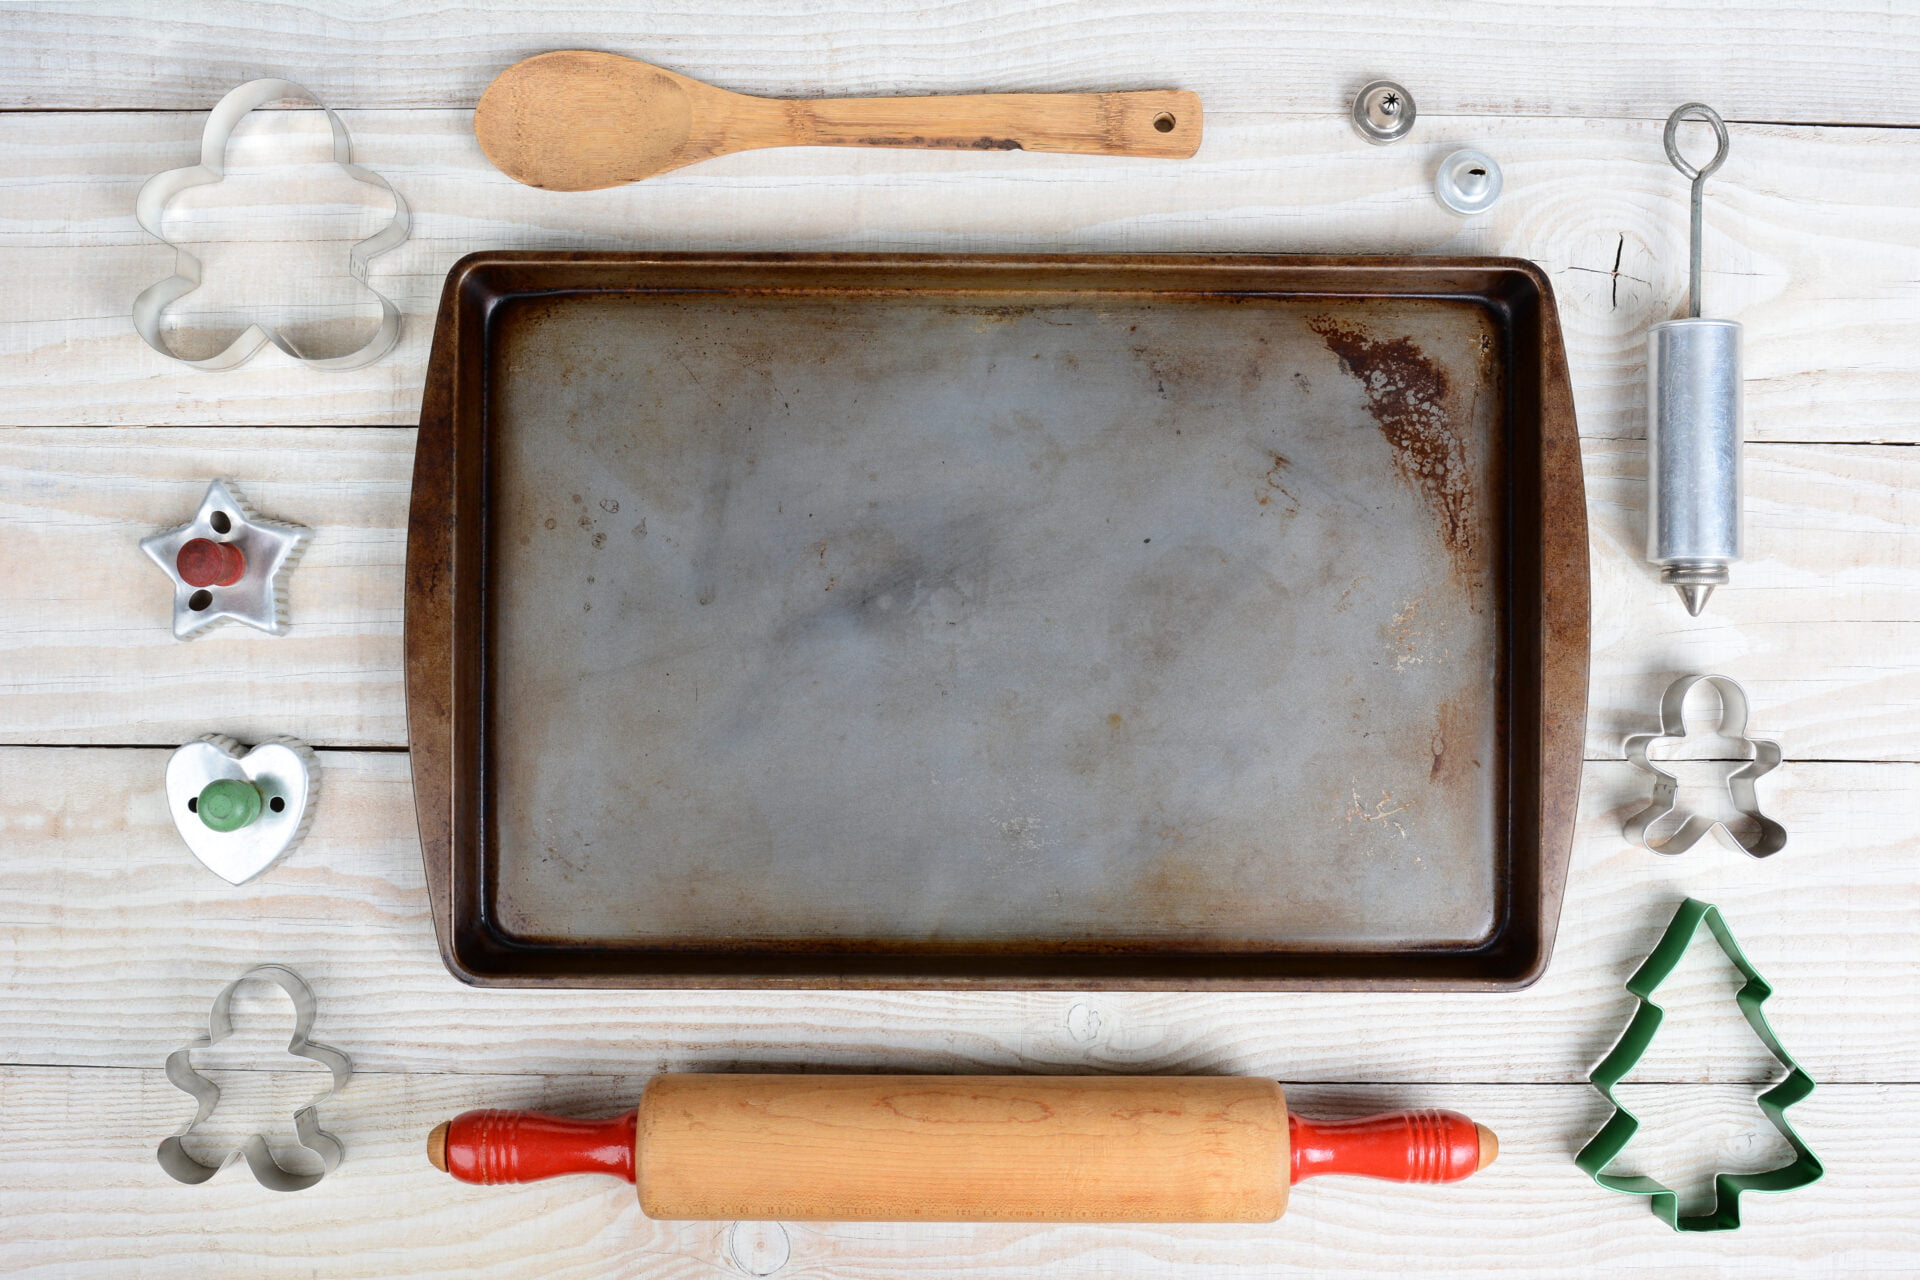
(580, 121)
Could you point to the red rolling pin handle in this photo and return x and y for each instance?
(491, 1147)
(1399, 1146)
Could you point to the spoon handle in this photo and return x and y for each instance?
(1159, 123)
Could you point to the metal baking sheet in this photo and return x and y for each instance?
(1015, 621)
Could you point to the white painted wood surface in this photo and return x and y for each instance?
(97, 1205)
(1813, 243)
(112, 942)
(96, 862)
(1845, 61)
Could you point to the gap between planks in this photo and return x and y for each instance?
(1242, 113)
(1383, 1082)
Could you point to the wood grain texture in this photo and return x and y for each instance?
(1813, 243)
(93, 861)
(1827, 559)
(85, 657)
(86, 1200)
(1841, 61)
(87, 653)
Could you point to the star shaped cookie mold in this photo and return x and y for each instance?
(227, 564)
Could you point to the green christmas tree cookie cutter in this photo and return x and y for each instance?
(1805, 1168)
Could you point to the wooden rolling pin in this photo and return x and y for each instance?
(961, 1148)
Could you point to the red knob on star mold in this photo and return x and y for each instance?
(206, 563)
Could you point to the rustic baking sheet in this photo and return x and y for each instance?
(1005, 621)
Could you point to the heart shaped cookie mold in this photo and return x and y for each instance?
(284, 774)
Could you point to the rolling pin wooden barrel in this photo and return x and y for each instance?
(874, 1148)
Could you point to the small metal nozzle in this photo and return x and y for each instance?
(1694, 580)
(1383, 112)
(1694, 596)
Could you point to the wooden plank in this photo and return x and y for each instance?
(114, 941)
(1841, 62)
(83, 1198)
(86, 656)
(1817, 622)
(1825, 274)
(86, 623)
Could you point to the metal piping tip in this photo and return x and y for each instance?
(1694, 595)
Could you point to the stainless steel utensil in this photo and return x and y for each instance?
(1694, 420)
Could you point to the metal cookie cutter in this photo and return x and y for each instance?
(241, 813)
(172, 1154)
(1769, 836)
(227, 563)
(150, 210)
(1613, 1137)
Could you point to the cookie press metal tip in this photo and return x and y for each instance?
(1693, 419)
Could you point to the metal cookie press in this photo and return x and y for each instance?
(1693, 419)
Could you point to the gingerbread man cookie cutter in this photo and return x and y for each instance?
(172, 1154)
(1768, 837)
(150, 210)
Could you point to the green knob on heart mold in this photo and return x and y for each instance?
(228, 804)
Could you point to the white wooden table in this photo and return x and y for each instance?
(113, 942)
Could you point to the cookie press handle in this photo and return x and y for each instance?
(962, 1148)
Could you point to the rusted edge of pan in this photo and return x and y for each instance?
(1548, 649)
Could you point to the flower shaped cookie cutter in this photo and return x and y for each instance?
(150, 210)
(172, 1153)
(1769, 837)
